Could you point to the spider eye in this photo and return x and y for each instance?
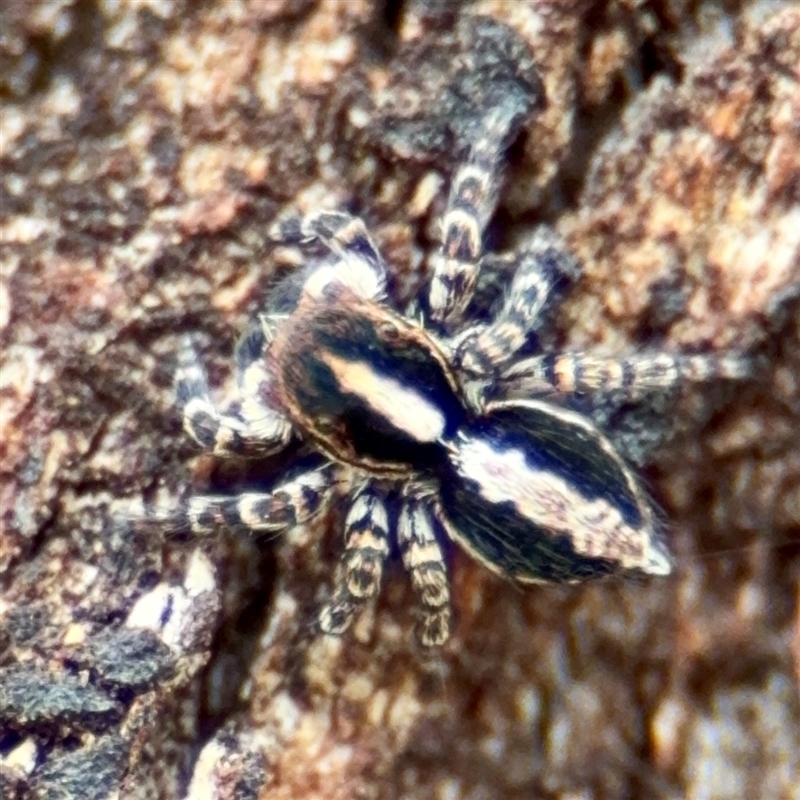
(387, 331)
(326, 425)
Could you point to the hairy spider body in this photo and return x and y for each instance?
(533, 490)
(437, 431)
(538, 494)
(372, 389)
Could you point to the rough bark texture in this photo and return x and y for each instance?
(146, 147)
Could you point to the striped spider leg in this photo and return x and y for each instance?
(360, 569)
(628, 395)
(295, 500)
(418, 537)
(370, 521)
(628, 378)
(471, 203)
(602, 386)
(298, 500)
(541, 274)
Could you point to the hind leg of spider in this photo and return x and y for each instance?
(292, 502)
(253, 430)
(358, 576)
(362, 267)
(627, 378)
(542, 274)
(470, 205)
(423, 558)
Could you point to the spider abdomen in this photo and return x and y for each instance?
(538, 494)
(371, 388)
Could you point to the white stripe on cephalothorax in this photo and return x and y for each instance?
(403, 407)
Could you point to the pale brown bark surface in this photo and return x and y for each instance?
(145, 149)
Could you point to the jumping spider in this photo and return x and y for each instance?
(417, 424)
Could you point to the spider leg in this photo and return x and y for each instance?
(542, 274)
(358, 576)
(360, 265)
(472, 200)
(423, 557)
(628, 377)
(257, 430)
(291, 502)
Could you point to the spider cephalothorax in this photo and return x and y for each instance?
(437, 430)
